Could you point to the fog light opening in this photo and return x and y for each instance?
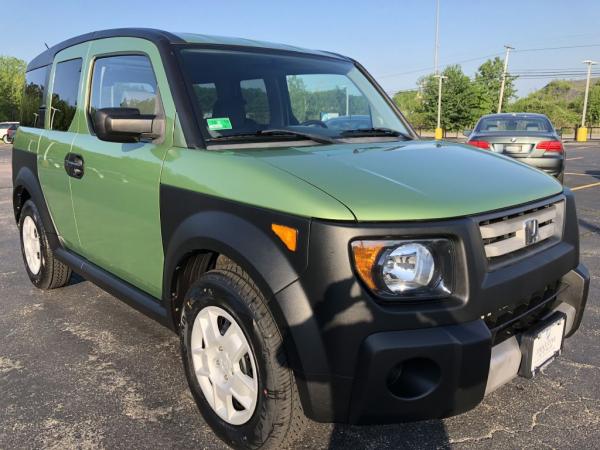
(413, 378)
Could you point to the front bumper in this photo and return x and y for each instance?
(443, 371)
(343, 343)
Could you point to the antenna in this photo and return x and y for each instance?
(47, 46)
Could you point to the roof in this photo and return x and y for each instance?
(160, 36)
(515, 114)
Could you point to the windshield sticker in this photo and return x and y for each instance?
(220, 123)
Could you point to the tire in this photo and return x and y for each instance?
(561, 177)
(5, 139)
(276, 420)
(43, 269)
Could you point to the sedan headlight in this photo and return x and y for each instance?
(406, 269)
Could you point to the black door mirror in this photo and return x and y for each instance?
(125, 125)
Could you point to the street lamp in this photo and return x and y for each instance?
(582, 131)
(438, 131)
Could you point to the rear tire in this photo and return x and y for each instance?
(43, 269)
(275, 419)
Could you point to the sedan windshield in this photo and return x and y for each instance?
(257, 96)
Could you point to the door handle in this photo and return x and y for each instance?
(74, 165)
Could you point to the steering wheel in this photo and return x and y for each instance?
(318, 123)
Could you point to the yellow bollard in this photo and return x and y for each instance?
(439, 134)
(582, 134)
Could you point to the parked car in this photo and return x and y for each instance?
(10, 134)
(527, 137)
(345, 275)
(4, 127)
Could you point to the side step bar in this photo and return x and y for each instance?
(124, 291)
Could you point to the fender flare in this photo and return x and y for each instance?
(25, 178)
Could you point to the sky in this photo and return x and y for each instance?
(393, 39)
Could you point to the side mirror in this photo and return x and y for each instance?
(467, 133)
(125, 125)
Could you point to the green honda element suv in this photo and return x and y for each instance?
(272, 206)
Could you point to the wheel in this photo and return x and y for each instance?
(235, 364)
(5, 139)
(561, 177)
(43, 269)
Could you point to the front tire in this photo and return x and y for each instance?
(262, 408)
(43, 269)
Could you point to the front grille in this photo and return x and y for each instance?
(518, 317)
(508, 234)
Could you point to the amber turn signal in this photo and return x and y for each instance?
(288, 235)
(365, 255)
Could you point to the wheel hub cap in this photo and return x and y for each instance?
(31, 245)
(224, 365)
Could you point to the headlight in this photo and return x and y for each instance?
(406, 269)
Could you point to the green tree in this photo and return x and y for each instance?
(411, 105)
(593, 109)
(556, 100)
(461, 100)
(12, 79)
(487, 81)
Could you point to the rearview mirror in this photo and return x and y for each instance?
(467, 133)
(125, 125)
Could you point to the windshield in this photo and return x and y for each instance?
(491, 124)
(270, 96)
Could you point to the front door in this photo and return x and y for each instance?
(116, 201)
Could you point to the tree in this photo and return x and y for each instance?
(461, 100)
(487, 80)
(411, 105)
(12, 79)
(556, 100)
(593, 109)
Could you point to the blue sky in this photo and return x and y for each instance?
(393, 39)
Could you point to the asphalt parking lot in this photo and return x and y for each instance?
(80, 369)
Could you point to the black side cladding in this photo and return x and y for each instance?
(26, 182)
(193, 222)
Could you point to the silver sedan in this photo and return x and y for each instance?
(528, 137)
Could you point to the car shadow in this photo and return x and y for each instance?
(589, 226)
(593, 173)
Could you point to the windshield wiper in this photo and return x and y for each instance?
(277, 132)
(367, 132)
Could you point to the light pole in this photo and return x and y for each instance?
(508, 49)
(439, 133)
(582, 131)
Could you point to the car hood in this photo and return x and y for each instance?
(414, 180)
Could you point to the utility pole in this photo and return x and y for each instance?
(437, 37)
(508, 49)
(582, 131)
(438, 131)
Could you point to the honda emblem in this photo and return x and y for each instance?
(532, 231)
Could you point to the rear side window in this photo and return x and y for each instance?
(33, 104)
(64, 94)
(125, 81)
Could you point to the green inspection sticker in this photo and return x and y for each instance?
(219, 123)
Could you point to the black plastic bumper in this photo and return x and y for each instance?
(436, 372)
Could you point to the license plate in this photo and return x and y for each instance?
(512, 148)
(541, 345)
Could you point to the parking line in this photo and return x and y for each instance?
(573, 159)
(578, 174)
(585, 186)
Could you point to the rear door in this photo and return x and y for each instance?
(116, 201)
(62, 124)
